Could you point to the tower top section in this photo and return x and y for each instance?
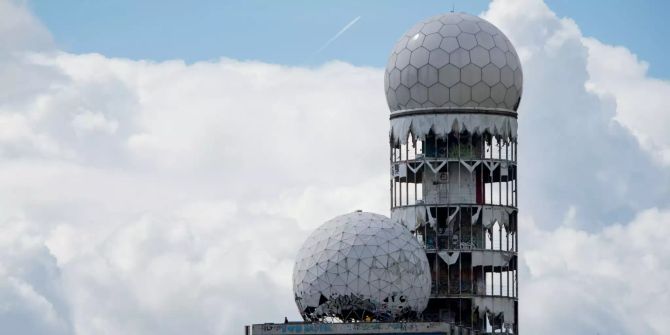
(454, 61)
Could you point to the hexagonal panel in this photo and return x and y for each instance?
(390, 99)
(469, 27)
(485, 40)
(480, 92)
(467, 41)
(415, 41)
(459, 94)
(419, 57)
(438, 58)
(450, 30)
(409, 76)
(460, 57)
(512, 60)
(511, 96)
(449, 44)
(419, 93)
(500, 42)
(402, 95)
(498, 57)
(468, 17)
(403, 59)
(471, 74)
(450, 19)
(432, 41)
(449, 75)
(488, 103)
(428, 75)
(507, 76)
(411, 104)
(394, 78)
(479, 56)
(431, 27)
(510, 47)
(438, 94)
(391, 63)
(491, 74)
(471, 103)
(498, 92)
(401, 44)
(487, 27)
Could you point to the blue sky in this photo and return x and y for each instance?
(289, 32)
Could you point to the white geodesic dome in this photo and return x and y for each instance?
(453, 60)
(361, 265)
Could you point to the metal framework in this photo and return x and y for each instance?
(457, 192)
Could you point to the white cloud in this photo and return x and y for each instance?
(641, 101)
(90, 121)
(593, 263)
(31, 297)
(590, 164)
(177, 195)
(20, 30)
(614, 281)
(139, 197)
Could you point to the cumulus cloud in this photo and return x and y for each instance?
(591, 163)
(614, 281)
(31, 295)
(162, 197)
(592, 261)
(616, 73)
(139, 197)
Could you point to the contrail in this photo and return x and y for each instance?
(339, 33)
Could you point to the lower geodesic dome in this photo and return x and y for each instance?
(361, 266)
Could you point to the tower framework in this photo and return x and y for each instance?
(458, 194)
(453, 84)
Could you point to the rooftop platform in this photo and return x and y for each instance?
(379, 328)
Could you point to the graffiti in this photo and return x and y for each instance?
(358, 327)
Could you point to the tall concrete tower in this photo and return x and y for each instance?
(453, 85)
